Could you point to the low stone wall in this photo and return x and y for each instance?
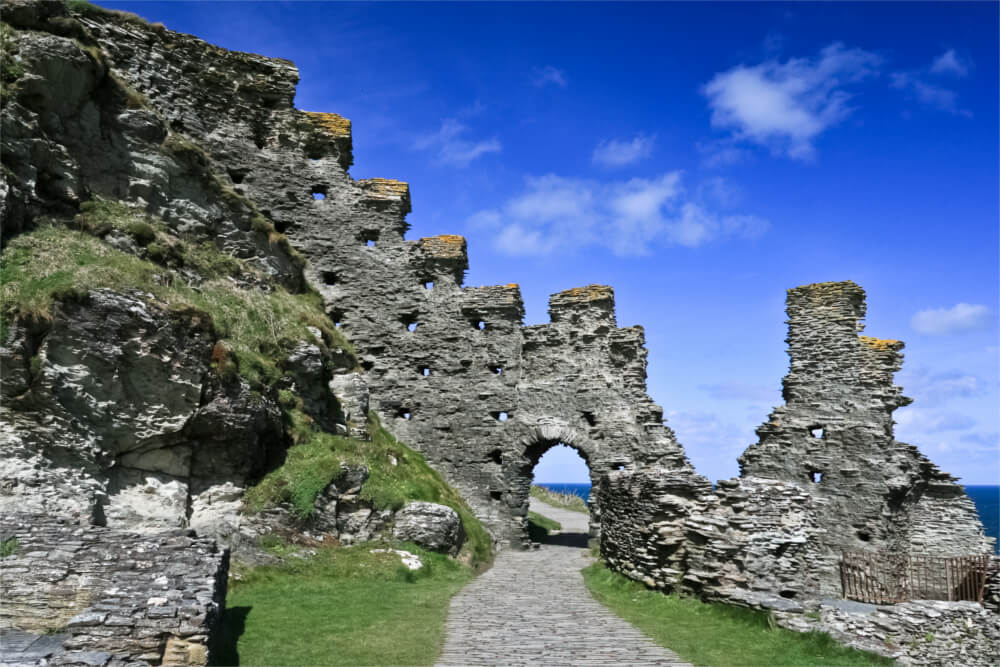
(119, 596)
(923, 632)
(752, 541)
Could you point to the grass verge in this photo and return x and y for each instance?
(343, 606)
(566, 501)
(716, 635)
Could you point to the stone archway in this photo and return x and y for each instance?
(533, 446)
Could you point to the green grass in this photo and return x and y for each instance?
(9, 547)
(343, 606)
(711, 635)
(397, 474)
(566, 501)
(256, 328)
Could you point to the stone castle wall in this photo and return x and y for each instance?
(118, 596)
(481, 396)
(826, 476)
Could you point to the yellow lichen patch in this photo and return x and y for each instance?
(512, 286)
(588, 293)
(444, 246)
(385, 188)
(882, 344)
(331, 122)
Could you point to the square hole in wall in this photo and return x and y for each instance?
(500, 416)
(425, 371)
(409, 321)
(329, 277)
(589, 418)
(816, 431)
(496, 456)
(496, 495)
(318, 192)
(404, 413)
(369, 237)
(498, 370)
(428, 284)
(815, 476)
(479, 324)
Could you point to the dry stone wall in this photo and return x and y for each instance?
(116, 597)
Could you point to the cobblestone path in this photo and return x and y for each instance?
(532, 608)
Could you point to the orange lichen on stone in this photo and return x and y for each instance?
(585, 294)
(882, 344)
(445, 246)
(385, 188)
(331, 122)
(512, 286)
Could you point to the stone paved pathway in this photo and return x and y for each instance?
(532, 608)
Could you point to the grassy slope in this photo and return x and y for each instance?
(256, 328)
(343, 606)
(719, 635)
(397, 474)
(567, 501)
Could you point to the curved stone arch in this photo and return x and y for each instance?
(537, 439)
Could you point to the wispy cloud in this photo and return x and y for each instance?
(924, 85)
(554, 213)
(615, 153)
(543, 76)
(785, 106)
(930, 389)
(959, 318)
(950, 63)
(450, 147)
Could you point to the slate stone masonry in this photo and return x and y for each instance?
(129, 597)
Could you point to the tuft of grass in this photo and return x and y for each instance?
(9, 547)
(716, 635)
(51, 263)
(396, 475)
(566, 501)
(84, 8)
(342, 606)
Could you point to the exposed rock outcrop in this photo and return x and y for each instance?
(432, 526)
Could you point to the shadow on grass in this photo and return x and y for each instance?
(234, 622)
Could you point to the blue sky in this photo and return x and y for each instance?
(701, 158)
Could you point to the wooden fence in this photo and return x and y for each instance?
(886, 578)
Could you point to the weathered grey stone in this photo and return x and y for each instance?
(432, 526)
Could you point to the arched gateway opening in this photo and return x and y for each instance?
(560, 491)
(574, 454)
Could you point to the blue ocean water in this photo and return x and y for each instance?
(986, 499)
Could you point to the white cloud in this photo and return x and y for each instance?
(960, 317)
(949, 63)
(931, 389)
(614, 153)
(785, 106)
(917, 83)
(629, 217)
(451, 147)
(542, 76)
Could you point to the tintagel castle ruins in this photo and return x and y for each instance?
(132, 424)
